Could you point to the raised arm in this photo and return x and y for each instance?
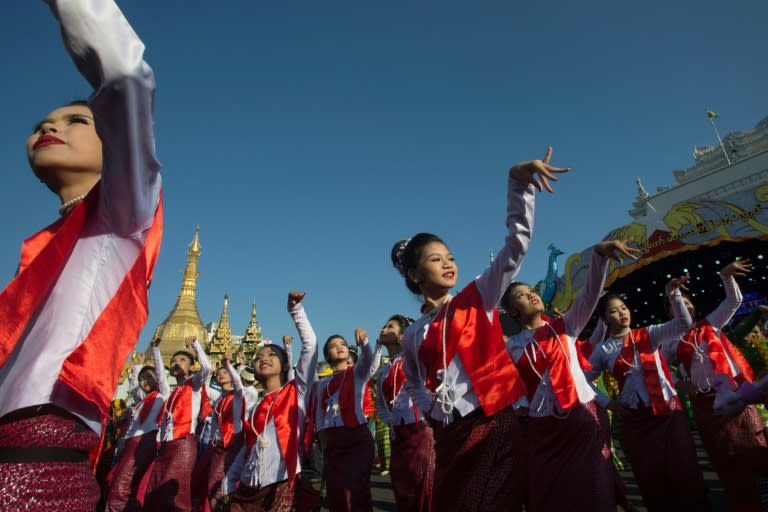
(202, 376)
(681, 320)
(598, 333)
(162, 381)
(578, 314)
(237, 382)
(369, 361)
(306, 368)
(725, 311)
(109, 55)
(288, 346)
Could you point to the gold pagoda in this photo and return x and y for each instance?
(184, 320)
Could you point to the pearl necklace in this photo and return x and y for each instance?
(72, 202)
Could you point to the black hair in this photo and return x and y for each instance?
(406, 255)
(332, 337)
(668, 304)
(145, 369)
(402, 321)
(185, 353)
(602, 303)
(283, 356)
(506, 298)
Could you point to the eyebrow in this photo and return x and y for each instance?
(66, 117)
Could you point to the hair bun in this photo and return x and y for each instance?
(397, 256)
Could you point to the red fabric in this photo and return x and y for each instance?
(480, 464)
(480, 345)
(282, 407)
(135, 459)
(220, 461)
(648, 364)
(413, 467)
(44, 486)
(369, 409)
(224, 411)
(393, 383)
(145, 406)
(568, 464)
(179, 406)
(344, 383)
(737, 448)
(169, 486)
(348, 460)
(661, 452)
(717, 348)
(277, 497)
(93, 368)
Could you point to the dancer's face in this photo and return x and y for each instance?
(267, 364)
(337, 350)
(437, 270)
(616, 316)
(524, 303)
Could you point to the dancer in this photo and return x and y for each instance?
(413, 446)
(268, 464)
(74, 310)
(169, 485)
(341, 424)
(567, 451)
(140, 438)
(456, 352)
(736, 445)
(657, 438)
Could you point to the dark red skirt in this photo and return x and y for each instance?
(661, 452)
(133, 462)
(480, 463)
(569, 466)
(221, 459)
(46, 435)
(348, 461)
(737, 448)
(413, 467)
(277, 497)
(170, 481)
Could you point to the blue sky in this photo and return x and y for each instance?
(306, 137)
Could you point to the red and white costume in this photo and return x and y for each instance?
(455, 356)
(737, 446)
(657, 438)
(275, 429)
(75, 309)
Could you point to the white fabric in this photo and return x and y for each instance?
(491, 286)
(635, 391)
(109, 54)
(400, 411)
(198, 380)
(136, 427)
(544, 402)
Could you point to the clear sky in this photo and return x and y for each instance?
(306, 137)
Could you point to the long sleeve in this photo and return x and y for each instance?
(289, 352)
(725, 311)
(201, 377)
(578, 314)
(109, 55)
(134, 390)
(162, 381)
(414, 371)
(505, 266)
(237, 382)
(674, 328)
(369, 361)
(598, 333)
(306, 367)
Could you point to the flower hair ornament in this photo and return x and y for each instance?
(399, 252)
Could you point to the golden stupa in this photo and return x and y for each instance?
(184, 320)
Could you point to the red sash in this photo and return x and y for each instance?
(344, 383)
(717, 348)
(145, 407)
(93, 368)
(282, 407)
(179, 406)
(480, 345)
(224, 417)
(393, 384)
(648, 365)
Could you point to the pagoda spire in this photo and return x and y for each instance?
(184, 319)
(221, 343)
(252, 336)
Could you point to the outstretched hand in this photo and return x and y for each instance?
(537, 172)
(737, 268)
(360, 336)
(677, 283)
(614, 249)
(155, 341)
(287, 340)
(189, 340)
(295, 298)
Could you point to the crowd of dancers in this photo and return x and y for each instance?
(479, 419)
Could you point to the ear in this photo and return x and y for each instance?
(414, 276)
